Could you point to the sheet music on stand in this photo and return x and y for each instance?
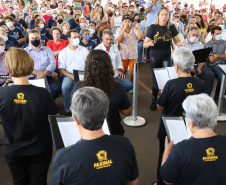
(65, 133)
(78, 75)
(176, 128)
(38, 83)
(162, 75)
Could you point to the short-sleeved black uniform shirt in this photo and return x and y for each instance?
(162, 36)
(118, 100)
(197, 161)
(24, 111)
(174, 93)
(107, 160)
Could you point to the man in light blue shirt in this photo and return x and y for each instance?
(205, 73)
(151, 9)
(44, 61)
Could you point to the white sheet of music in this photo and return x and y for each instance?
(172, 72)
(70, 133)
(177, 130)
(162, 76)
(223, 67)
(38, 82)
(81, 77)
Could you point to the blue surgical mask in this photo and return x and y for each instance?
(54, 15)
(218, 37)
(86, 37)
(92, 31)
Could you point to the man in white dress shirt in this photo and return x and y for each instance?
(70, 58)
(113, 51)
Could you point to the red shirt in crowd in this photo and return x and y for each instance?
(56, 47)
(46, 17)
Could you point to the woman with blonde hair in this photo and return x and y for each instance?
(24, 111)
(159, 38)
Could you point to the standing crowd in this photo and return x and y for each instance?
(52, 38)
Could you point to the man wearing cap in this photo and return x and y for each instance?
(127, 37)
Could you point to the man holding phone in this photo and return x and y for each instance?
(127, 36)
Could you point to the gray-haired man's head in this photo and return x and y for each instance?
(90, 107)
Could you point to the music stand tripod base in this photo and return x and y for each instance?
(134, 123)
(221, 117)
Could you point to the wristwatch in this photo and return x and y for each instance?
(119, 69)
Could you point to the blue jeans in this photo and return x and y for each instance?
(125, 83)
(54, 87)
(217, 73)
(140, 51)
(67, 86)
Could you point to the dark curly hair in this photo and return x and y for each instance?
(99, 71)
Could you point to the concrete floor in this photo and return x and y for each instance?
(143, 138)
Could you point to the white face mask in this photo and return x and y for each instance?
(1, 20)
(2, 49)
(117, 13)
(43, 9)
(5, 38)
(75, 42)
(48, 11)
(132, 3)
(9, 24)
(222, 26)
(16, 6)
(194, 39)
(112, 9)
(68, 11)
(41, 26)
(65, 10)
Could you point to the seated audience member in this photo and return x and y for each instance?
(204, 73)
(190, 26)
(75, 23)
(44, 32)
(48, 15)
(69, 14)
(71, 58)
(99, 73)
(52, 20)
(200, 159)
(175, 92)
(27, 135)
(65, 28)
(59, 19)
(116, 20)
(14, 32)
(85, 39)
(19, 20)
(9, 41)
(3, 71)
(218, 54)
(44, 39)
(102, 19)
(116, 60)
(44, 61)
(96, 158)
(207, 35)
(82, 24)
(93, 36)
(57, 44)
